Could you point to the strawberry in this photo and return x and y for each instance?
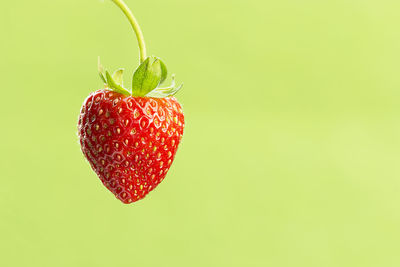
(130, 142)
(130, 137)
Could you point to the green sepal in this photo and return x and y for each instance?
(164, 71)
(147, 76)
(118, 76)
(100, 68)
(114, 86)
(102, 77)
(161, 92)
(115, 82)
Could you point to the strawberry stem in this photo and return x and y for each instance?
(135, 26)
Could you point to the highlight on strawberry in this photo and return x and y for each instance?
(130, 136)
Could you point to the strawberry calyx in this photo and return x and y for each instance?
(148, 76)
(146, 82)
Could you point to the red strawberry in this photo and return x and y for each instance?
(130, 138)
(130, 142)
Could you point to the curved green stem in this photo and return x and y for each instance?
(135, 26)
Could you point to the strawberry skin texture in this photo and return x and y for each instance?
(130, 142)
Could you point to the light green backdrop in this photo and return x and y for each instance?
(291, 154)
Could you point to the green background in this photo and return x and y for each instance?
(291, 152)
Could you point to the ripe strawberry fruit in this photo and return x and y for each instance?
(130, 138)
(130, 142)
